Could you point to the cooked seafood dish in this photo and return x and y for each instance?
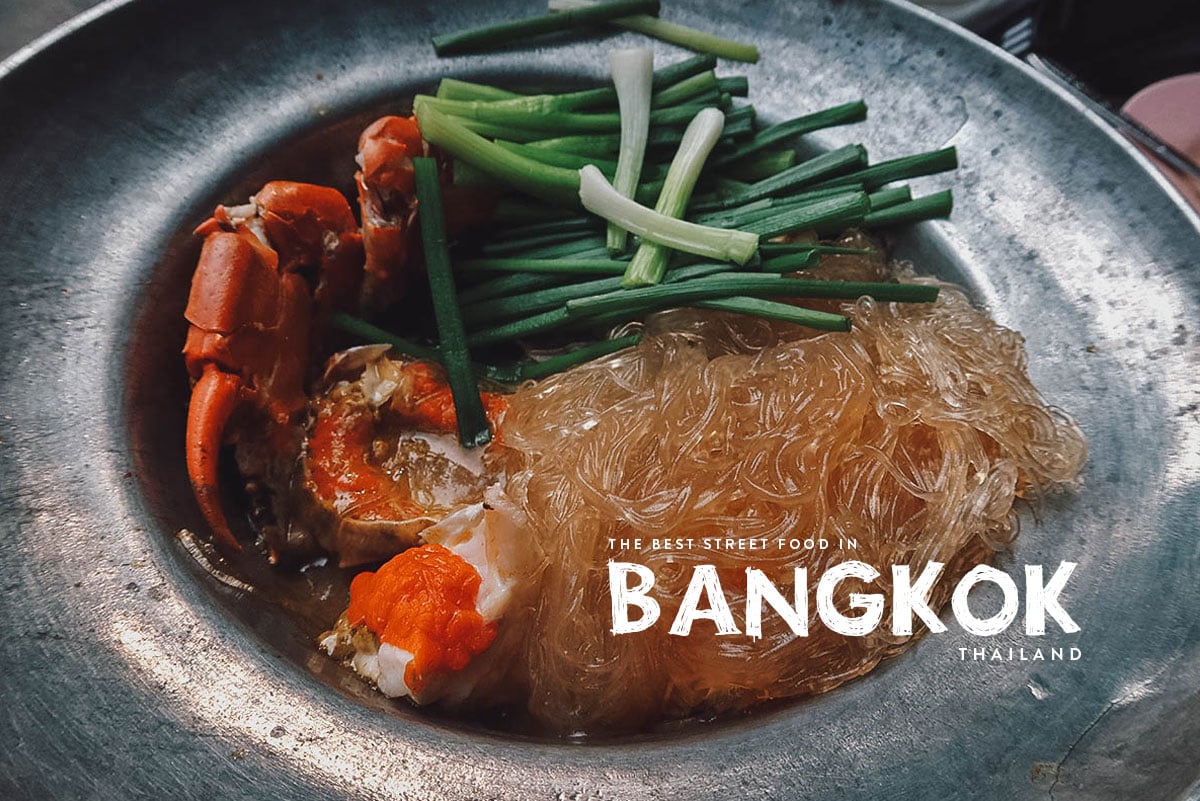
(621, 325)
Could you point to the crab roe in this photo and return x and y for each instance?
(423, 602)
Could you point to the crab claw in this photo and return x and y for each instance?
(311, 225)
(214, 398)
(248, 342)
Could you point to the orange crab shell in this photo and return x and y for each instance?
(387, 201)
(251, 312)
(386, 148)
(353, 497)
(249, 320)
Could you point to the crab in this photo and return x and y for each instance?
(251, 311)
(381, 460)
(269, 274)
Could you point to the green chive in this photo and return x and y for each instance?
(473, 427)
(372, 333)
(827, 118)
(923, 208)
(504, 33)
(560, 362)
(774, 310)
(900, 169)
(559, 266)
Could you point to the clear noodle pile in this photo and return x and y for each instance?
(912, 435)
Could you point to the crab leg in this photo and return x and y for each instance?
(214, 398)
(387, 198)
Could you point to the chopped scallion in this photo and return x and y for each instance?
(928, 207)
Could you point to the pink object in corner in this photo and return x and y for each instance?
(1171, 109)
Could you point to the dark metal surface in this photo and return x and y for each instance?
(123, 672)
(21, 21)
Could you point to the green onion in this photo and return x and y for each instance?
(510, 284)
(598, 197)
(736, 85)
(774, 310)
(809, 172)
(549, 183)
(686, 90)
(923, 208)
(493, 131)
(520, 328)
(762, 165)
(454, 89)
(517, 245)
(840, 210)
(732, 218)
(737, 122)
(468, 406)
(691, 38)
(632, 74)
(543, 267)
(494, 310)
(556, 364)
(596, 145)
(665, 79)
(591, 247)
(679, 293)
(537, 104)
(671, 32)
(505, 120)
(371, 333)
(492, 36)
(718, 286)
(557, 158)
(791, 262)
(540, 117)
(901, 169)
(827, 118)
(558, 266)
(540, 300)
(374, 334)
(521, 210)
(886, 198)
(681, 70)
(650, 261)
(580, 226)
(558, 317)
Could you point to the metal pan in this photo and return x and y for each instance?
(127, 671)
